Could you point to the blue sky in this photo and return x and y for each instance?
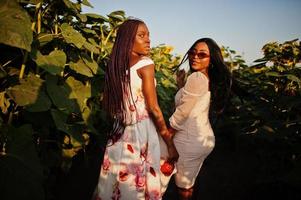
(242, 25)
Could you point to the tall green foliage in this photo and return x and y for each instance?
(264, 114)
(51, 76)
(271, 99)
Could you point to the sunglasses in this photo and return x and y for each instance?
(200, 55)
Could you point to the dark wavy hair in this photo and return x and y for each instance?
(219, 75)
(117, 76)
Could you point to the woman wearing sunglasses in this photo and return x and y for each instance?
(198, 102)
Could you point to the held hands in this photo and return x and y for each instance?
(167, 168)
(173, 154)
(172, 131)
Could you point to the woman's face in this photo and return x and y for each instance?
(199, 57)
(141, 45)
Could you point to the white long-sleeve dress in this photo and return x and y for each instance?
(194, 138)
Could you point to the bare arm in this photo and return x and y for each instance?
(147, 75)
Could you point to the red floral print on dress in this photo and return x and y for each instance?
(106, 163)
(124, 172)
(153, 195)
(140, 178)
(132, 108)
(116, 192)
(130, 148)
(140, 106)
(147, 161)
(143, 151)
(123, 176)
(152, 171)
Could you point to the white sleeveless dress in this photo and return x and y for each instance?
(194, 138)
(131, 166)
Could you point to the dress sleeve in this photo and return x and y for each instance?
(142, 63)
(195, 87)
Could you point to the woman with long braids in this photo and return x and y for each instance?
(198, 101)
(131, 164)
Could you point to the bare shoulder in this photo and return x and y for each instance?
(147, 66)
(146, 70)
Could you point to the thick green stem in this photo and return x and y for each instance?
(36, 19)
(23, 65)
(56, 25)
(39, 10)
(108, 37)
(10, 117)
(33, 25)
(39, 20)
(102, 36)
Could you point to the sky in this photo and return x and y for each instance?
(242, 25)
